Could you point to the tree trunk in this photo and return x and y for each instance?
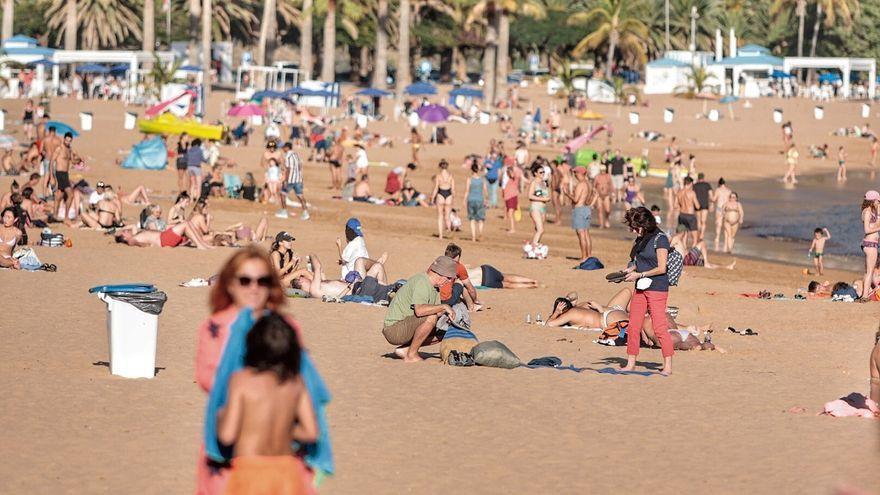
(489, 60)
(380, 65)
(149, 41)
(70, 27)
(459, 63)
(403, 67)
(363, 63)
(306, 61)
(816, 28)
(207, 14)
(503, 55)
(328, 64)
(265, 27)
(8, 16)
(609, 62)
(801, 12)
(195, 12)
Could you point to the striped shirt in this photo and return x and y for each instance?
(294, 167)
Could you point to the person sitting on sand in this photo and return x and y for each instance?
(171, 237)
(284, 259)
(10, 234)
(151, 218)
(411, 197)
(697, 255)
(489, 276)
(355, 257)
(177, 212)
(455, 292)
(412, 316)
(267, 408)
(108, 214)
(361, 191)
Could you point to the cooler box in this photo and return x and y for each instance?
(132, 327)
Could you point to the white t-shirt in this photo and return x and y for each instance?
(355, 249)
(413, 119)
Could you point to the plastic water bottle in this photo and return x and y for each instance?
(538, 319)
(528, 318)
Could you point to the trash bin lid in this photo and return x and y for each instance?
(135, 287)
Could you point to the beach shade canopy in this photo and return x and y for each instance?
(92, 69)
(120, 69)
(268, 93)
(829, 77)
(61, 128)
(420, 89)
(147, 155)
(728, 99)
(371, 92)
(467, 92)
(42, 61)
(246, 110)
(7, 142)
(300, 91)
(190, 68)
(433, 114)
(590, 115)
(778, 74)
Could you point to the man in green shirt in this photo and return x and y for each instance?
(413, 313)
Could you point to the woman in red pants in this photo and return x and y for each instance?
(648, 270)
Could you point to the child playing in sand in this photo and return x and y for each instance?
(817, 248)
(841, 164)
(268, 408)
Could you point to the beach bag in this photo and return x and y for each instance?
(517, 215)
(591, 263)
(27, 259)
(674, 263)
(494, 354)
(51, 240)
(459, 340)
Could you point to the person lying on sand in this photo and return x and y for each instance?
(697, 255)
(489, 276)
(316, 285)
(171, 237)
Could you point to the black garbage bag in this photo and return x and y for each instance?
(148, 302)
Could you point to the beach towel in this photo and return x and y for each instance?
(457, 339)
(854, 405)
(319, 455)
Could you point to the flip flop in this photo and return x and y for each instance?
(48, 267)
(615, 277)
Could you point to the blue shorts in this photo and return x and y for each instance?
(476, 211)
(580, 217)
(296, 187)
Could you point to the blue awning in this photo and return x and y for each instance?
(373, 92)
(420, 88)
(467, 92)
(92, 69)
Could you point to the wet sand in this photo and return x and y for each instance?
(719, 424)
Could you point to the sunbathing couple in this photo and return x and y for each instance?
(614, 317)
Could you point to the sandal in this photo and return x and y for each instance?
(47, 267)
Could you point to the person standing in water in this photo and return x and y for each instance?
(871, 225)
(687, 204)
(791, 160)
(719, 196)
(733, 220)
(841, 164)
(444, 190)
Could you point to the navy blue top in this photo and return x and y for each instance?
(646, 260)
(194, 156)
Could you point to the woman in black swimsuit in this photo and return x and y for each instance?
(444, 190)
(28, 120)
(180, 164)
(107, 215)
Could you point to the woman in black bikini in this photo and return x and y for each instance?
(283, 258)
(107, 215)
(444, 191)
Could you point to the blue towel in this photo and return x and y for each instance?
(319, 456)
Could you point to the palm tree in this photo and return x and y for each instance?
(459, 11)
(160, 74)
(195, 12)
(506, 9)
(832, 9)
(616, 22)
(266, 30)
(328, 64)
(403, 67)
(207, 17)
(697, 85)
(800, 10)
(149, 38)
(306, 61)
(8, 15)
(99, 23)
(380, 66)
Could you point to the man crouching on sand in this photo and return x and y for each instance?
(413, 313)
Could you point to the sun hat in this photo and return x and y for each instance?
(444, 266)
(872, 195)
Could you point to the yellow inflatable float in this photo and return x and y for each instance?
(167, 123)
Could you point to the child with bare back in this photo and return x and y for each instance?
(817, 248)
(268, 408)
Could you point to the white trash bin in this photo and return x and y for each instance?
(132, 335)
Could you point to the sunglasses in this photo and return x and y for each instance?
(246, 281)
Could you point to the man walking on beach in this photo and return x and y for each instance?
(51, 143)
(604, 190)
(294, 175)
(413, 313)
(720, 197)
(703, 191)
(62, 157)
(618, 165)
(583, 200)
(687, 219)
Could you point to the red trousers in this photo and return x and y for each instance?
(654, 302)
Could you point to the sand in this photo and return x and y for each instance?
(719, 424)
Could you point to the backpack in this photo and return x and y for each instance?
(674, 263)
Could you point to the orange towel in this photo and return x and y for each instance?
(266, 475)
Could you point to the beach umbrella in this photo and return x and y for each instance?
(730, 100)
(120, 69)
(433, 114)
(537, 117)
(43, 61)
(829, 77)
(778, 74)
(7, 142)
(92, 69)
(466, 92)
(300, 91)
(246, 110)
(61, 128)
(371, 92)
(268, 93)
(420, 89)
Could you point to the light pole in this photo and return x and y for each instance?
(667, 25)
(694, 16)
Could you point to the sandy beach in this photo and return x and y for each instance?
(720, 424)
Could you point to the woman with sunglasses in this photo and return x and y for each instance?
(247, 280)
(539, 196)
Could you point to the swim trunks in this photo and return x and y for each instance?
(169, 238)
(281, 475)
(511, 203)
(476, 211)
(401, 332)
(617, 181)
(492, 278)
(687, 222)
(580, 217)
(63, 180)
